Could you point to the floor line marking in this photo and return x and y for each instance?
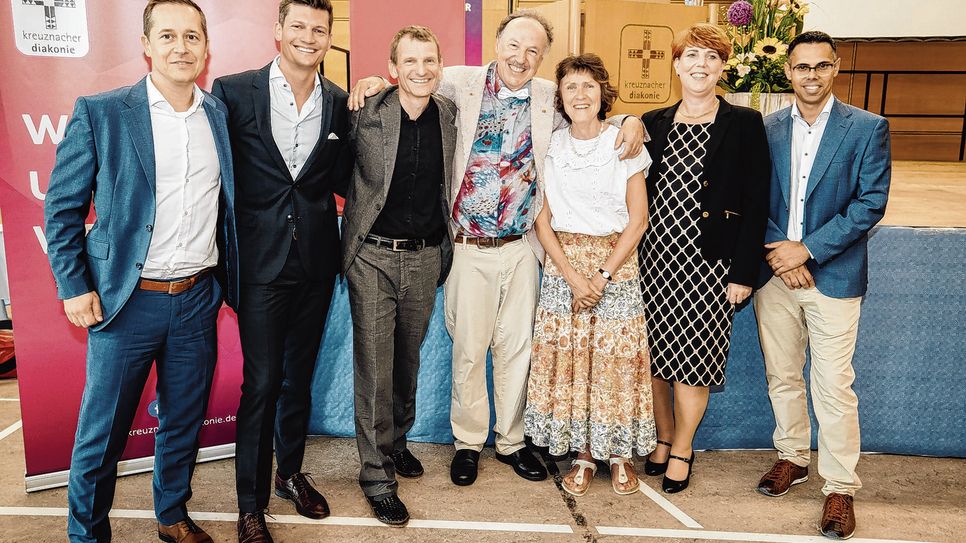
(672, 509)
(714, 535)
(11, 429)
(296, 519)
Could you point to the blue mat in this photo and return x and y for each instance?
(909, 361)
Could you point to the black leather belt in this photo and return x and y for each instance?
(399, 245)
(487, 242)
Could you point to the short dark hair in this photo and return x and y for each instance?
(812, 36)
(529, 14)
(149, 11)
(416, 33)
(324, 5)
(593, 65)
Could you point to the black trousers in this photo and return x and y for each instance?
(280, 325)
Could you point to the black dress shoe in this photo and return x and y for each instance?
(389, 509)
(252, 528)
(655, 468)
(308, 501)
(406, 464)
(525, 464)
(672, 486)
(463, 469)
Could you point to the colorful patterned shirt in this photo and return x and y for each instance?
(500, 181)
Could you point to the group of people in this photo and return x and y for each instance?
(650, 232)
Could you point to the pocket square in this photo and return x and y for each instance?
(333, 136)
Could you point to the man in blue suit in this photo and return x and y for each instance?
(830, 181)
(155, 161)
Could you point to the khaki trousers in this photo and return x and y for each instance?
(789, 321)
(490, 299)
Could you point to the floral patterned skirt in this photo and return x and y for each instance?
(590, 376)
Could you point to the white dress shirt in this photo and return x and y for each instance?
(805, 142)
(586, 182)
(188, 182)
(295, 132)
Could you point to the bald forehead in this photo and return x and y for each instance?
(525, 28)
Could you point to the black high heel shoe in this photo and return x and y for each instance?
(656, 468)
(670, 486)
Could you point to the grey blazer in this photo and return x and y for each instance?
(374, 137)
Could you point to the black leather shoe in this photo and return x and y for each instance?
(525, 464)
(389, 509)
(308, 502)
(407, 465)
(672, 486)
(655, 468)
(252, 528)
(464, 467)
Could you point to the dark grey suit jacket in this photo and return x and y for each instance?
(374, 137)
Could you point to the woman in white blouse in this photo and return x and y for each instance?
(589, 389)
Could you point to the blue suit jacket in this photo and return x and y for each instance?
(845, 196)
(107, 158)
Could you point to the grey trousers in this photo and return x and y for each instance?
(391, 298)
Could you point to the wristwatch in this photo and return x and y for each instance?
(605, 274)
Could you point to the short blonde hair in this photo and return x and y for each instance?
(415, 33)
(704, 35)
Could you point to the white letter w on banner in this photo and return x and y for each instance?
(46, 127)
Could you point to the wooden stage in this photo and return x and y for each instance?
(930, 194)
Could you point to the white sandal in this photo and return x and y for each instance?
(622, 476)
(584, 465)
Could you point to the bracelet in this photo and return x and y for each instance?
(605, 274)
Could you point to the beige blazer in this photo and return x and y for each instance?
(464, 85)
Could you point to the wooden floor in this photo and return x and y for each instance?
(931, 194)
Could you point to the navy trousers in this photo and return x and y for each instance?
(178, 332)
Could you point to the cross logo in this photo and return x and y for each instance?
(50, 9)
(646, 54)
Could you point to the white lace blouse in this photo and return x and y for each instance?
(586, 183)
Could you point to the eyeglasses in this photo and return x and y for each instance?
(822, 68)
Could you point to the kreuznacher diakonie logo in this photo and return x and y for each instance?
(51, 28)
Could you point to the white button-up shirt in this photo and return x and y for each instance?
(295, 132)
(188, 182)
(805, 142)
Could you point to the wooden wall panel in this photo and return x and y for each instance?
(336, 63)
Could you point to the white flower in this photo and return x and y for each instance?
(743, 70)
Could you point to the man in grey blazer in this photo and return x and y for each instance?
(830, 182)
(396, 251)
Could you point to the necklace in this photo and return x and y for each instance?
(699, 115)
(573, 146)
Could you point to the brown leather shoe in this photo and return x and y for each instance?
(252, 528)
(308, 502)
(782, 476)
(185, 531)
(838, 517)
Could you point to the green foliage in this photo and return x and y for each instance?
(756, 64)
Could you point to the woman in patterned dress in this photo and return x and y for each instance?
(702, 253)
(589, 389)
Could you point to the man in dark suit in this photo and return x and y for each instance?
(155, 161)
(289, 131)
(830, 182)
(396, 252)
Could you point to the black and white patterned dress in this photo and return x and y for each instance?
(687, 311)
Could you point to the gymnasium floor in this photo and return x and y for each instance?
(904, 498)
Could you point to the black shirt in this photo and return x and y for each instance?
(413, 209)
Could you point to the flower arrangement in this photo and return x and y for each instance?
(760, 31)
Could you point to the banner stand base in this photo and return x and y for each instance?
(58, 479)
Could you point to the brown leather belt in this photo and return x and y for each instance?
(487, 242)
(173, 287)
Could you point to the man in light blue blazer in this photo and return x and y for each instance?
(830, 181)
(154, 160)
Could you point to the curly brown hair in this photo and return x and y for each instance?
(593, 65)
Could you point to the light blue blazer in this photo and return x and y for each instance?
(107, 158)
(845, 196)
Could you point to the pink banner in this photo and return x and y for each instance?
(51, 54)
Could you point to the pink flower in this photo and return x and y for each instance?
(740, 13)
